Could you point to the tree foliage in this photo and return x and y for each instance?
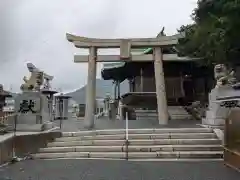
(215, 33)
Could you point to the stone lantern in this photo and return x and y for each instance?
(61, 106)
(3, 96)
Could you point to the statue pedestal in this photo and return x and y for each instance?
(30, 106)
(217, 113)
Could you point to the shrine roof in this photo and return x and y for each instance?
(170, 53)
(113, 65)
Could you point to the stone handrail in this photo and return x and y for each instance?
(22, 145)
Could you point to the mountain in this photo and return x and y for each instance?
(103, 87)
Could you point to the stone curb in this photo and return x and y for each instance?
(132, 148)
(139, 136)
(132, 155)
(134, 142)
(137, 131)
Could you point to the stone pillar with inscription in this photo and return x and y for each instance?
(31, 105)
(28, 107)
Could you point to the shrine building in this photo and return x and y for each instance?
(186, 81)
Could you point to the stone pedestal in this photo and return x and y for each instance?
(217, 114)
(30, 108)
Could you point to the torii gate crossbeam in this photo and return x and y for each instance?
(125, 46)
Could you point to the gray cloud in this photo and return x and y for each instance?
(35, 31)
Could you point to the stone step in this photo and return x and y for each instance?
(180, 115)
(137, 131)
(145, 118)
(30, 127)
(132, 148)
(135, 142)
(176, 160)
(133, 155)
(140, 136)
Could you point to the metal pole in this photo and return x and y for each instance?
(14, 135)
(126, 125)
(126, 132)
(61, 112)
(50, 108)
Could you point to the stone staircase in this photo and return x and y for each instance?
(155, 144)
(178, 112)
(175, 113)
(146, 114)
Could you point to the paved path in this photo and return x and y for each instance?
(74, 124)
(116, 170)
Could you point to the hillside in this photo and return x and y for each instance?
(103, 87)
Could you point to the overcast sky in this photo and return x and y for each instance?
(35, 31)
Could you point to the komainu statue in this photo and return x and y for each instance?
(34, 82)
(224, 76)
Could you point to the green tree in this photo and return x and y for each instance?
(215, 33)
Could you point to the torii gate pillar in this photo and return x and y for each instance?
(160, 87)
(91, 89)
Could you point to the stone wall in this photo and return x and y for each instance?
(25, 144)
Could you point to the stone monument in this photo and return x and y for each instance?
(31, 105)
(224, 89)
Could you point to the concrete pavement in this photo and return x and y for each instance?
(116, 170)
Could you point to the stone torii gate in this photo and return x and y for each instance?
(125, 46)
